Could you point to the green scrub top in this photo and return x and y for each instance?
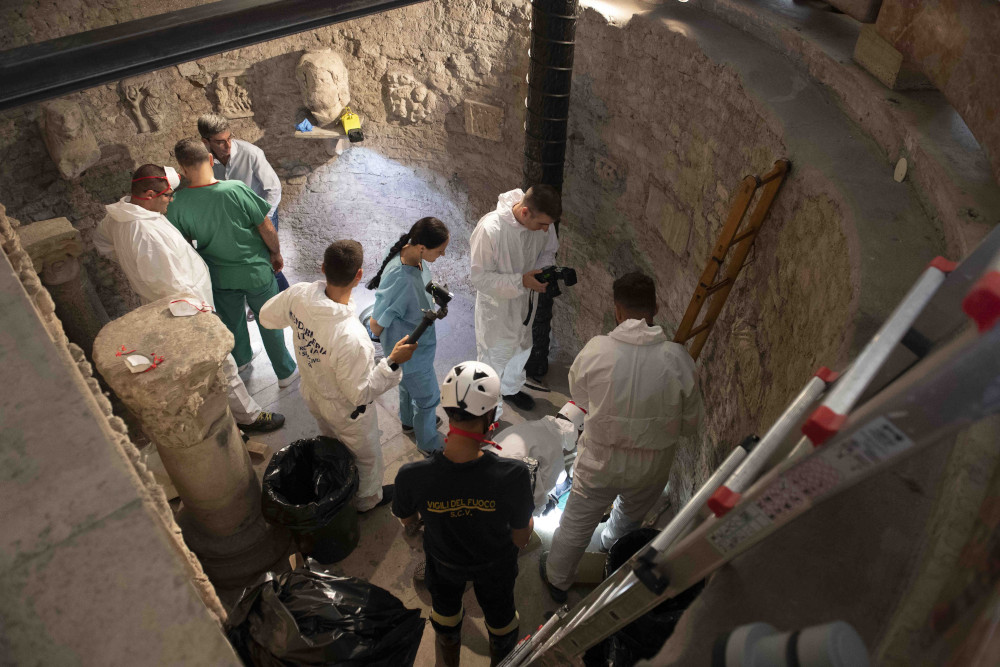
(223, 219)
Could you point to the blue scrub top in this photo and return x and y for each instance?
(399, 301)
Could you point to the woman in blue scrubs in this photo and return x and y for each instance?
(399, 304)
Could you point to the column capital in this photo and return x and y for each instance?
(172, 399)
(53, 246)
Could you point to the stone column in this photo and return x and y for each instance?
(55, 247)
(183, 408)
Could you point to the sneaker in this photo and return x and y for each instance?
(265, 422)
(254, 353)
(284, 382)
(407, 429)
(387, 492)
(520, 400)
(557, 594)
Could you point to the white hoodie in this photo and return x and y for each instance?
(543, 440)
(334, 352)
(153, 254)
(640, 390)
(501, 251)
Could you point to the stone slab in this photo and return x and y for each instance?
(58, 472)
(115, 594)
(885, 63)
(483, 120)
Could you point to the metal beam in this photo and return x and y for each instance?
(67, 64)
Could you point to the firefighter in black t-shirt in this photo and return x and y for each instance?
(476, 509)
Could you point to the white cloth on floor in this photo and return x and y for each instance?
(642, 397)
(336, 359)
(543, 440)
(160, 263)
(501, 251)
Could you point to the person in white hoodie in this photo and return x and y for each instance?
(642, 398)
(159, 263)
(507, 250)
(336, 360)
(544, 440)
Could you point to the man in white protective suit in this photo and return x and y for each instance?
(336, 359)
(159, 263)
(544, 440)
(642, 397)
(508, 247)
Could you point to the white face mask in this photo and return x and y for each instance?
(187, 307)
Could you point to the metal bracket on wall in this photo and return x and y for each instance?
(67, 64)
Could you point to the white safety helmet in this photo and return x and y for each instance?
(573, 413)
(471, 386)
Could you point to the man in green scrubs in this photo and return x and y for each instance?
(229, 227)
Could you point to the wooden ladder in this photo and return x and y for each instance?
(732, 236)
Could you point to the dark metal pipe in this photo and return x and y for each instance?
(550, 74)
(67, 64)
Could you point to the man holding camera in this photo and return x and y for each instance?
(640, 392)
(508, 248)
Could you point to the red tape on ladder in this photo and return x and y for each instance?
(723, 500)
(822, 425)
(982, 303)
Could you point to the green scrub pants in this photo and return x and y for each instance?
(229, 306)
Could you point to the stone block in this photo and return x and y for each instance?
(50, 241)
(885, 63)
(674, 226)
(483, 120)
(189, 69)
(112, 594)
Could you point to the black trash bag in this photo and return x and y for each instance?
(308, 482)
(314, 618)
(644, 637)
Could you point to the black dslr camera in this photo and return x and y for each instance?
(551, 275)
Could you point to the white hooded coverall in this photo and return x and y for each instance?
(159, 263)
(641, 395)
(336, 359)
(543, 440)
(502, 250)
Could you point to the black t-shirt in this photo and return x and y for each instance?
(468, 508)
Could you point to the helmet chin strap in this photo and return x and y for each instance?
(479, 437)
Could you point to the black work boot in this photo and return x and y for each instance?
(448, 649)
(501, 646)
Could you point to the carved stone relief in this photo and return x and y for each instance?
(233, 100)
(143, 96)
(322, 78)
(409, 99)
(483, 120)
(69, 140)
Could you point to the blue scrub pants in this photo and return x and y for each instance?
(419, 396)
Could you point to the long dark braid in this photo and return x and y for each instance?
(429, 232)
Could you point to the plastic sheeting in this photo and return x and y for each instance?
(313, 618)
